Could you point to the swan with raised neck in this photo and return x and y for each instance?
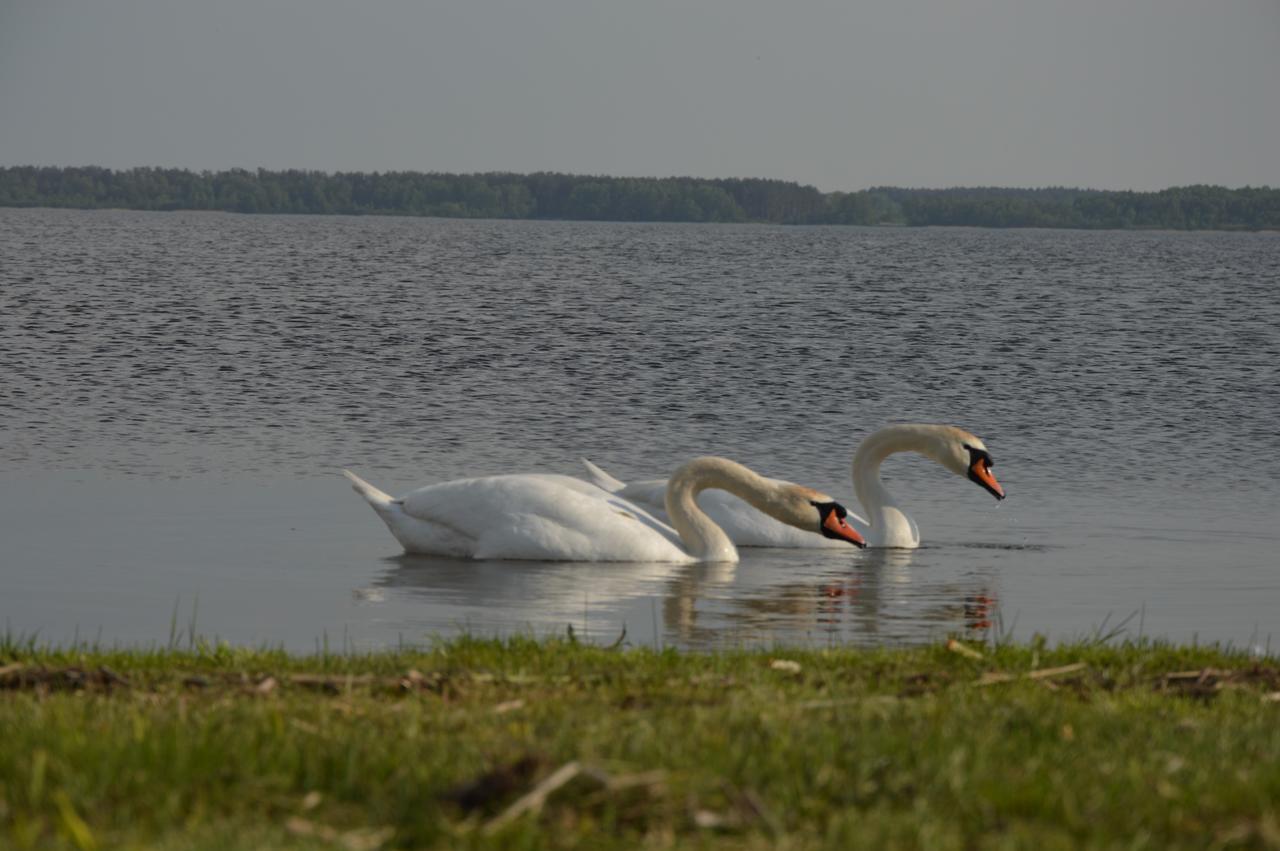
(954, 448)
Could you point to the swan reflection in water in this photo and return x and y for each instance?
(876, 597)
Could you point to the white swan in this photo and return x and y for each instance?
(560, 518)
(886, 525)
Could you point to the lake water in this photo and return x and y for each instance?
(179, 391)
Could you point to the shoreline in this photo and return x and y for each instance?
(550, 196)
(554, 743)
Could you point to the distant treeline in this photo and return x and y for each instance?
(673, 199)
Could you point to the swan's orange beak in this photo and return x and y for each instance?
(981, 473)
(835, 526)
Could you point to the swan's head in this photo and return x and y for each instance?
(812, 510)
(966, 455)
(832, 523)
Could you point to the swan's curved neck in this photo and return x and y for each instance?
(890, 526)
(703, 539)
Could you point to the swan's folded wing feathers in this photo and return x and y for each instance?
(651, 494)
(602, 479)
(543, 516)
(535, 536)
(474, 505)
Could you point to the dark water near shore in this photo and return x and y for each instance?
(179, 391)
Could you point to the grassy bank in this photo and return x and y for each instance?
(552, 744)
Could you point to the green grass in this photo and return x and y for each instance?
(856, 749)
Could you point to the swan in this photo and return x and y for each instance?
(559, 518)
(886, 524)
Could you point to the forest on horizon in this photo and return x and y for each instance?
(547, 195)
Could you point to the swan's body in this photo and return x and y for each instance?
(560, 518)
(885, 524)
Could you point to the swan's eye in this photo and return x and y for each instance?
(827, 508)
(979, 456)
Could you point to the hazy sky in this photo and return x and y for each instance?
(843, 94)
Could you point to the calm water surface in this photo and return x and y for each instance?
(179, 391)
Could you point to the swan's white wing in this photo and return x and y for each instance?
(651, 495)
(602, 479)
(415, 534)
(544, 517)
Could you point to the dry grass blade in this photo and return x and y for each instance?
(993, 677)
(299, 826)
(631, 781)
(535, 799)
(1057, 672)
(709, 820)
(508, 706)
(751, 802)
(956, 647)
(368, 839)
(1199, 675)
(111, 678)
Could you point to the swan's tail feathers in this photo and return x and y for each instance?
(376, 498)
(601, 479)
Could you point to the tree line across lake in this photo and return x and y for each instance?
(548, 195)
